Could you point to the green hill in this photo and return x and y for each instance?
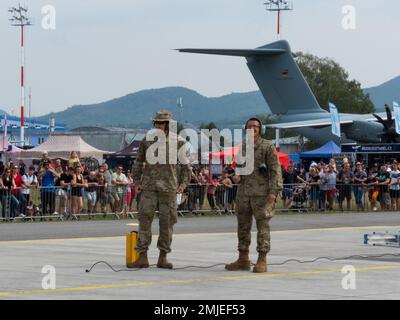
(136, 109)
(385, 93)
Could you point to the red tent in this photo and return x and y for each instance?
(231, 153)
(228, 153)
(284, 159)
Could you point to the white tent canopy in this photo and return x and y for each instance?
(13, 154)
(61, 147)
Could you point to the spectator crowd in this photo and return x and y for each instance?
(58, 188)
(328, 187)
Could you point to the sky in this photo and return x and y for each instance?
(105, 49)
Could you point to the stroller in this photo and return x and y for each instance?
(299, 198)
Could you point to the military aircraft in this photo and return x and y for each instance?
(294, 105)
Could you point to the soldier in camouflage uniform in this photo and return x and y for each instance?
(159, 183)
(256, 197)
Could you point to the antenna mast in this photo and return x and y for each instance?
(20, 19)
(278, 6)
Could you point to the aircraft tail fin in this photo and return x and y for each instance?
(277, 75)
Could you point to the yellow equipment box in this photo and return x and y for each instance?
(131, 254)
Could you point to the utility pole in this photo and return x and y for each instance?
(20, 19)
(278, 6)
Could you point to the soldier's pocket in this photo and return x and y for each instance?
(173, 215)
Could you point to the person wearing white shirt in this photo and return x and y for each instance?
(394, 187)
(30, 181)
(119, 180)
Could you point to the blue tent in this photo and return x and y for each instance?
(326, 151)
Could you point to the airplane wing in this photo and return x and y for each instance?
(345, 118)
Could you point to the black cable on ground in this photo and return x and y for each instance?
(357, 256)
(112, 268)
(363, 257)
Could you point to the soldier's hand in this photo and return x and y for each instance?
(180, 189)
(271, 198)
(139, 188)
(236, 179)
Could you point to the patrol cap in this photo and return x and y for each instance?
(162, 116)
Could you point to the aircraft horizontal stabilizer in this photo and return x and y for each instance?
(236, 52)
(302, 124)
(345, 118)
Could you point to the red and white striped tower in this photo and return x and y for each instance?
(20, 19)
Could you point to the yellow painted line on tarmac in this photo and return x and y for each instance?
(60, 240)
(295, 231)
(133, 224)
(377, 228)
(316, 272)
(190, 281)
(355, 228)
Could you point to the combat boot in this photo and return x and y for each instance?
(243, 263)
(141, 262)
(261, 265)
(163, 262)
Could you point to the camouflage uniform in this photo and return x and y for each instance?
(252, 197)
(159, 185)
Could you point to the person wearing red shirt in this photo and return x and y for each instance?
(17, 200)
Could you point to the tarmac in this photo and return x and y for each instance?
(72, 253)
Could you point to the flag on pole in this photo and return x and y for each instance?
(335, 120)
(396, 110)
(5, 133)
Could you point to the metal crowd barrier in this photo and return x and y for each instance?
(200, 199)
(74, 203)
(340, 197)
(63, 203)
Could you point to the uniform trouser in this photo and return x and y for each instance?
(167, 219)
(247, 207)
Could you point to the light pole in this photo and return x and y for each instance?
(179, 103)
(278, 6)
(20, 19)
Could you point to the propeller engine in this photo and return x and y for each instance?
(389, 135)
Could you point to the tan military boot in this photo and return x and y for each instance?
(163, 262)
(141, 262)
(243, 263)
(261, 265)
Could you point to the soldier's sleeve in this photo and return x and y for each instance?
(274, 170)
(240, 156)
(185, 170)
(137, 168)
